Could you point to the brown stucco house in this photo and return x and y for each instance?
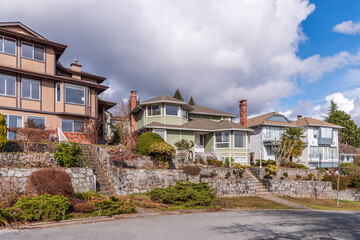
(35, 86)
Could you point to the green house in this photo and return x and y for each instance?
(214, 133)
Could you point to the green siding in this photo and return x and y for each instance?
(172, 136)
(140, 119)
(188, 135)
(209, 142)
(172, 120)
(153, 119)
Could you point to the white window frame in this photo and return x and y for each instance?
(187, 114)
(3, 45)
(56, 92)
(72, 124)
(38, 118)
(89, 96)
(76, 86)
(178, 107)
(165, 132)
(33, 51)
(222, 139)
(7, 95)
(149, 110)
(242, 162)
(31, 80)
(7, 122)
(244, 141)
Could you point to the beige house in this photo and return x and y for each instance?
(35, 86)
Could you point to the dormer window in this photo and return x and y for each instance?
(172, 110)
(32, 51)
(154, 110)
(7, 45)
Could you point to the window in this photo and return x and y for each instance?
(7, 45)
(58, 92)
(269, 151)
(326, 132)
(240, 159)
(160, 132)
(274, 133)
(72, 126)
(32, 51)
(13, 121)
(240, 140)
(172, 110)
(74, 94)
(89, 97)
(7, 85)
(316, 132)
(185, 114)
(38, 122)
(154, 110)
(222, 140)
(30, 89)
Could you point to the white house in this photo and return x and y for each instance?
(321, 138)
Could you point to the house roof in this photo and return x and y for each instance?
(83, 73)
(347, 149)
(162, 99)
(204, 125)
(106, 104)
(209, 111)
(304, 121)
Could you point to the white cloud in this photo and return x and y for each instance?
(219, 52)
(347, 27)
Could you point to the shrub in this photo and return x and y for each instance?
(322, 170)
(294, 165)
(271, 171)
(146, 140)
(184, 146)
(355, 182)
(191, 170)
(227, 175)
(213, 174)
(118, 160)
(347, 168)
(214, 162)
(298, 177)
(164, 152)
(310, 176)
(285, 175)
(9, 190)
(113, 206)
(83, 207)
(6, 215)
(3, 133)
(343, 183)
(54, 181)
(264, 163)
(69, 155)
(228, 161)
(184, 194)
(46, 207)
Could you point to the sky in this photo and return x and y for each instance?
(288, 56)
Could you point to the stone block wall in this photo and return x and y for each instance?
(292, 172)
(32, 159)
(302, 189)
(348, 195)
(82, 178)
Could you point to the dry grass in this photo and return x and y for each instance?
(252, 202)
(142, 200)
(324, 204)
(9, 190)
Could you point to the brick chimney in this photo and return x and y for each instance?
(133, 100)
(76, 67)
(299, 117)
(243, 112)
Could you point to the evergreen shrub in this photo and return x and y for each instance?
(3, 133)
(69, 155)
(146, 140)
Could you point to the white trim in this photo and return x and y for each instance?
(214, 114)
(6, 95)
(246, 140)
(223, 142)
(56, 87)
(3, 51)
(172, 106)
(75, 86)
(33, 51)
(200, 130)
(89, 96)
(73, 125)
(30, 80)
(147, 110)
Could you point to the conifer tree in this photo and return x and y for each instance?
(191, 101)
(177, 95)
(3, 133)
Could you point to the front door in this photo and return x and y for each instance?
(199, 142)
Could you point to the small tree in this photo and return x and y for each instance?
(184, 146)
(191, 101)
(177, 95)
(3, 133)
(92, 128)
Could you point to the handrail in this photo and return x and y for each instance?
(200, 152)
(62, 137)
(216, 154)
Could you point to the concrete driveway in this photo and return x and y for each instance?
(284, 224)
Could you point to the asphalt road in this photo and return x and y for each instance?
(216, 225)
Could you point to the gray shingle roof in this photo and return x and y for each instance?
(205, 110)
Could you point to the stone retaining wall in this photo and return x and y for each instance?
(303, 189)
(128, 181)
(292, 172)
(82, 178)
(37, 160)
(348, 195)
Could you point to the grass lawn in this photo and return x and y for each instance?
(251, 202)
(324, 204)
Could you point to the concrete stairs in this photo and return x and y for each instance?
(259, 187)
(103, 184)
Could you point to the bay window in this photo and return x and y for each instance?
(32, 51)
(326, 132)
(7, 45)
(154, 110)
(72, 126)
(30, 89)
(74, 94)
(172, 110)
(7, 85)
(222, 140)
(240, 139)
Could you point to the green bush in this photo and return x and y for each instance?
(355, 182)
(186, 194)
(343, 183)
(264, 163)
(191, 170)
(164, 152)
(347, 168)
(43, 208)
(310, 176)
(271, 171)
(69, 155)
(214, 162)
(285, 175)
(3, 133)
(113, 206)
(227, 175)
(146, 140)
(228, 161)
(298, 177)
(6, 216)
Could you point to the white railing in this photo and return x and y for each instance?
(62, 137)
(216, 154)
(200, 152)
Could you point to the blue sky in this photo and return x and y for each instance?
(290, 56)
